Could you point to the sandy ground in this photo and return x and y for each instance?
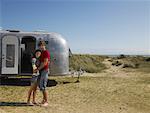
(113, 91)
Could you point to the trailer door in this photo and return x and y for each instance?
(10, 55)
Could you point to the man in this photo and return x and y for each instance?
(43, 69)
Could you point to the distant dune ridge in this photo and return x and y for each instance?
(99, 63)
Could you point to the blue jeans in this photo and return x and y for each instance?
(42, 80)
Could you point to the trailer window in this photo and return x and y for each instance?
(10, 55)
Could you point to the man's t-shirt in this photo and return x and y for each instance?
(45, 54)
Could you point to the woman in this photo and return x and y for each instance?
(34, 82)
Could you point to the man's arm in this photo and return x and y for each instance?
(43, 64)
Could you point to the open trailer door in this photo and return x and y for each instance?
(10, 55)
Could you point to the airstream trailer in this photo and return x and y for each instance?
(17, 48)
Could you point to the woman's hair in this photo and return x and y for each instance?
(38, 50)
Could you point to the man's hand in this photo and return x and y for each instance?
(35, 70)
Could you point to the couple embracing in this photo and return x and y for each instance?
(40, 64)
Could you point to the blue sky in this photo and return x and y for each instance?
(89, 26)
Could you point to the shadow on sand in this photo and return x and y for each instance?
(17, 104)
(23, 82)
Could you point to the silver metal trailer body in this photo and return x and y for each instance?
(59, 54)
(17, 48)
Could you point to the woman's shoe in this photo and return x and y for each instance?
(30, 104)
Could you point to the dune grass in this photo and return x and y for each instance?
(89, 63)
(94, 63)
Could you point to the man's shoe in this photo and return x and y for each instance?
(44, 104)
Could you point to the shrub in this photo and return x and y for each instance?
(116, 63)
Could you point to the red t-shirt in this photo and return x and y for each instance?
(45, 54)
